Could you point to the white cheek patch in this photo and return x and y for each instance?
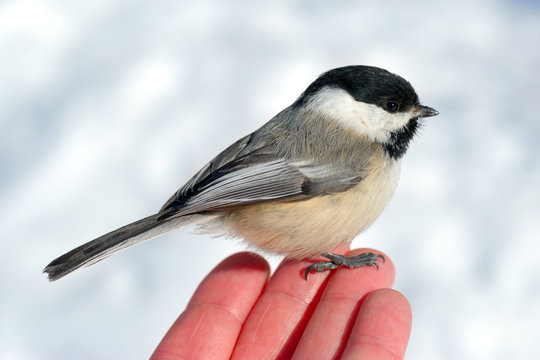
(365, 119)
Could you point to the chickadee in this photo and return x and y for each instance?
(311, 179)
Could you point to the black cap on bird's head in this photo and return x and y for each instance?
(367, 84)
(373, 86)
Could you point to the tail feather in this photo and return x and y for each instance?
(102, 247)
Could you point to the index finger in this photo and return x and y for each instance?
(209, 326)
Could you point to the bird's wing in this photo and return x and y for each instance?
(236, 178)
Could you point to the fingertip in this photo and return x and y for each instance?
(382, 327)
(244, 261)
(244, 270)
(393, 300)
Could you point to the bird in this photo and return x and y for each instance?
(312, 178)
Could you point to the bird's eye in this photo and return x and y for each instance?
(392, 106)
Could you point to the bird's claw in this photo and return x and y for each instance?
(320, 266)
(364, 259)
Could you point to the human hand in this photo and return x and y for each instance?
(238, 312)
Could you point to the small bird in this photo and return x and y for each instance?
(312, 178)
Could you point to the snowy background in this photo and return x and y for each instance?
(107, 107)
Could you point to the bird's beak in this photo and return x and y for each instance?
(426, 111)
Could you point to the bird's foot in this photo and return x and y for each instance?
(364, 259)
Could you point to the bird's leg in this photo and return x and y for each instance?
(364, 259)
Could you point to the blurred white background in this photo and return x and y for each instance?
(107, 107)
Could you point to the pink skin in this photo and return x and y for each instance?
(239, 312)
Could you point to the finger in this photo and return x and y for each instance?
(277, 321)
(209, 327)
(326, 334)
(382, 327)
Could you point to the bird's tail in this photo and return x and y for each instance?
(100, 248)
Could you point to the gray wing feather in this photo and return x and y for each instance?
(270, 180)
(261, 182)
